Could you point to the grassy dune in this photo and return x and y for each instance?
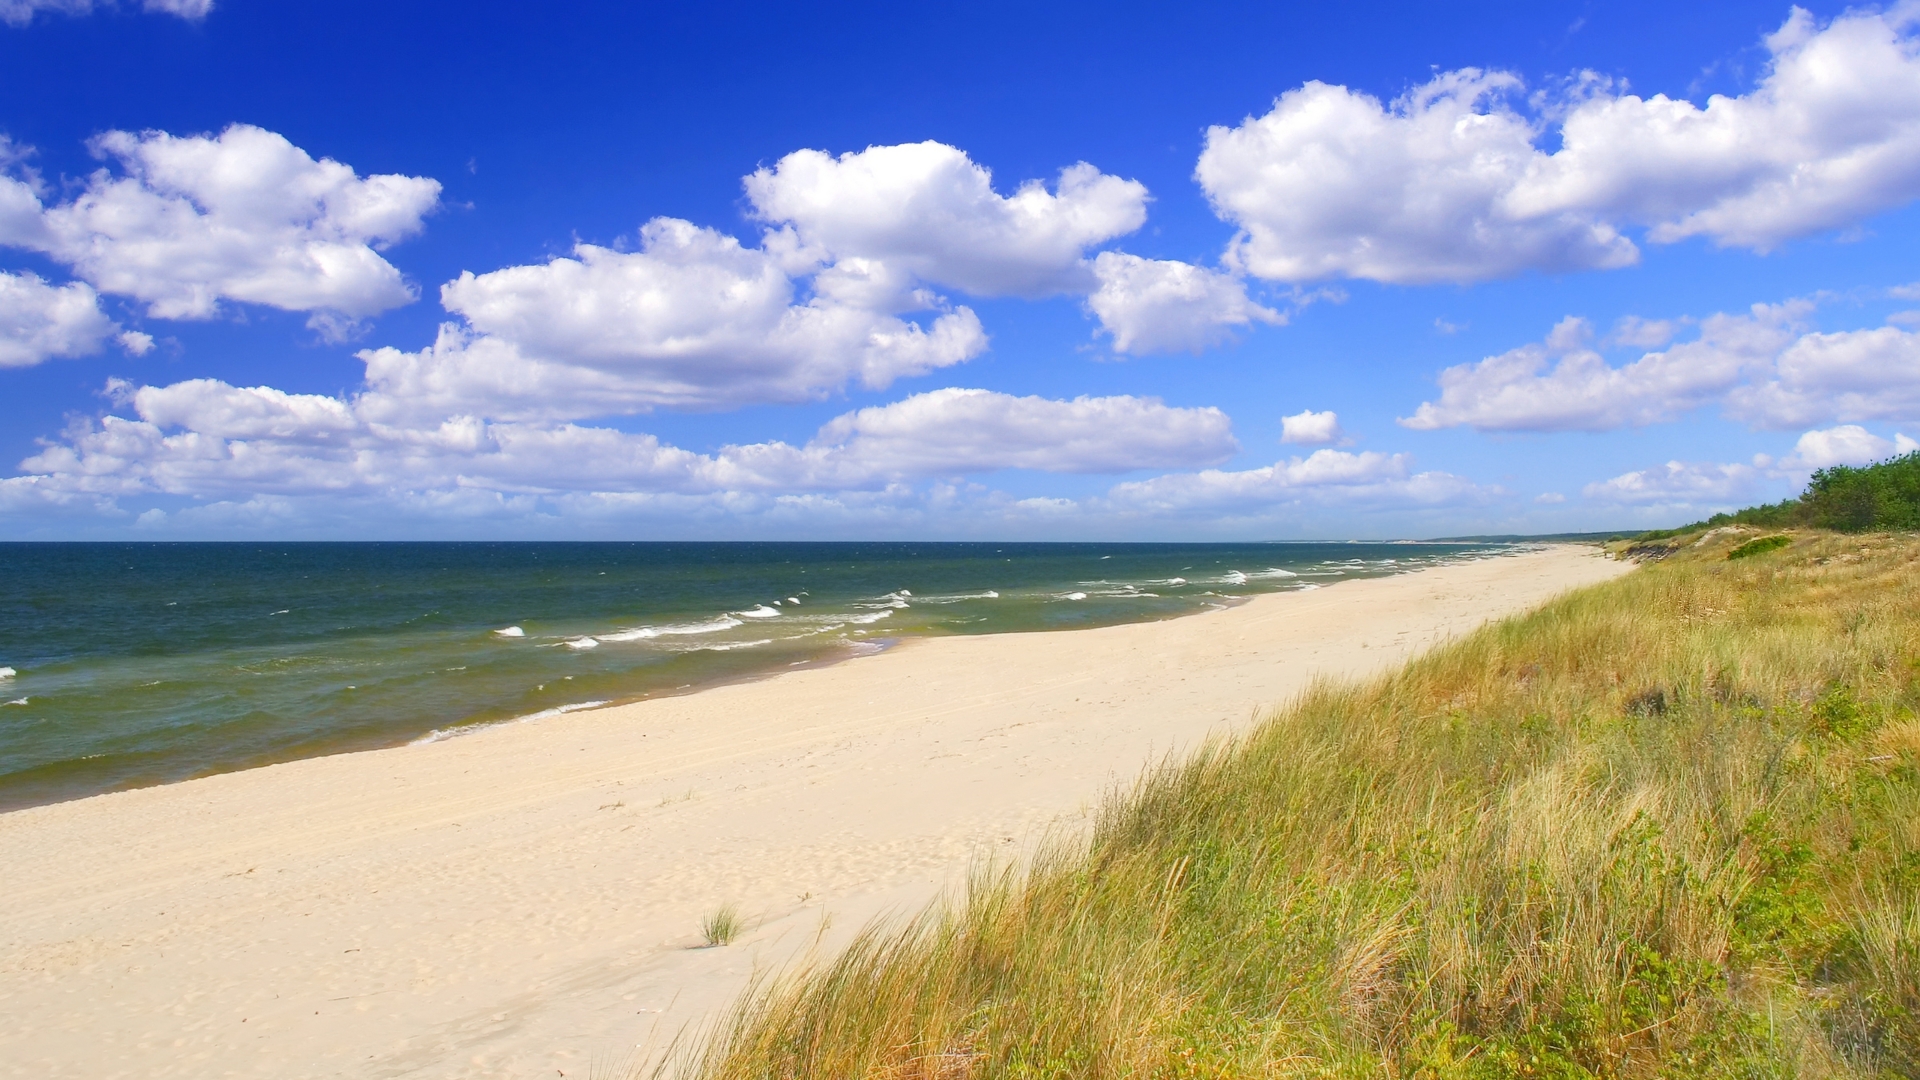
(1668, 826)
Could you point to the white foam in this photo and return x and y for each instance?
(956, 598)
(510, 631)
(1234, 577)
(583, 643)
(871, 616)
(1075, 596)
(793, 599)
(732, 645)
(443, 734)
(711, 626)
(1175, 581)
(759, 611)
(7, 673)
(1275, 572)
(18, 701)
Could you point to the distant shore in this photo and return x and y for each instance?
(526, 899)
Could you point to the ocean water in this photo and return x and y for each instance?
(124, 665)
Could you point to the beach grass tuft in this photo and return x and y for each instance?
(1664, 827)
(721, 926)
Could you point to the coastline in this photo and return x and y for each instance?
(525, 897)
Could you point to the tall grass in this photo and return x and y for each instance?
(1668, 826)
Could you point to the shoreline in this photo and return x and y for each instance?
(36, 792)
(525, 898)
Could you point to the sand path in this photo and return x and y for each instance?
(524, 901)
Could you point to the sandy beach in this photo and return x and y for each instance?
(526, 900)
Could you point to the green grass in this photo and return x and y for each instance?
(722, 926)
(1760, 545)
(1665, 827)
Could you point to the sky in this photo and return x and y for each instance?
(345, 270)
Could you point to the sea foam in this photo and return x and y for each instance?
(7, 673)
(510, 631)
(760, 611)
(443, 734)
(710, 626)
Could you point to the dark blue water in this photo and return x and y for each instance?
(137, 664)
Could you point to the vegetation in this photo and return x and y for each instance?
(1665, 827)
(721, 927)
(1760, 545)
(1844, 498)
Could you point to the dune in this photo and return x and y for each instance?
(527, 900)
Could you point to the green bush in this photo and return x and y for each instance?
(1760, 545)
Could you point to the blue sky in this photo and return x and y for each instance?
(1106, 272)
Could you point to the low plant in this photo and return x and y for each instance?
(722, 926)
(1760, 545)
(1664, 827)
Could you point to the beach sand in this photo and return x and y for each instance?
(526, 900)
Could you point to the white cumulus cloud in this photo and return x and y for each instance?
(931, 211)
(694, 319)
(21, 12)
(1851, 375)
(1847, 444)
(1679, 483)
(1323, 477)
(1309, 428)
(1448, 182)
(208, 439)
(191, 222)
(1161, 305)
(1563, 384)
(39, 321)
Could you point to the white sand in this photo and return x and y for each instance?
(524, 901)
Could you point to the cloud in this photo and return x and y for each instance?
(39, 321)
(1158, 305)
(207, 439)
(1679, 483)
(1324, 477)
(1330, 183)
(1448, 182)
(1853, 375)
(1311, 428)
(1848, 444)
(21, 12)
(692, 320)
(195, 221)
(966, 431)
(930, 211)
(1562, 384)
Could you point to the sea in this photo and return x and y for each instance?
(130, 664)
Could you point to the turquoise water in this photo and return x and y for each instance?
(136, 664)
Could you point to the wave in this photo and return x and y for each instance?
(583, 643)
(1176, 582)
(729, 646)
(443, 734)
(19, 701)
(1074, 596)
(510, 631)
(871, 617)
(759, 611)
(955, 598)
(1274, 572)
(1233, 577)
(7, 673)
(711, 626)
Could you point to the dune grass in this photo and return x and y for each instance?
(1665, 827)
(720, 926)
